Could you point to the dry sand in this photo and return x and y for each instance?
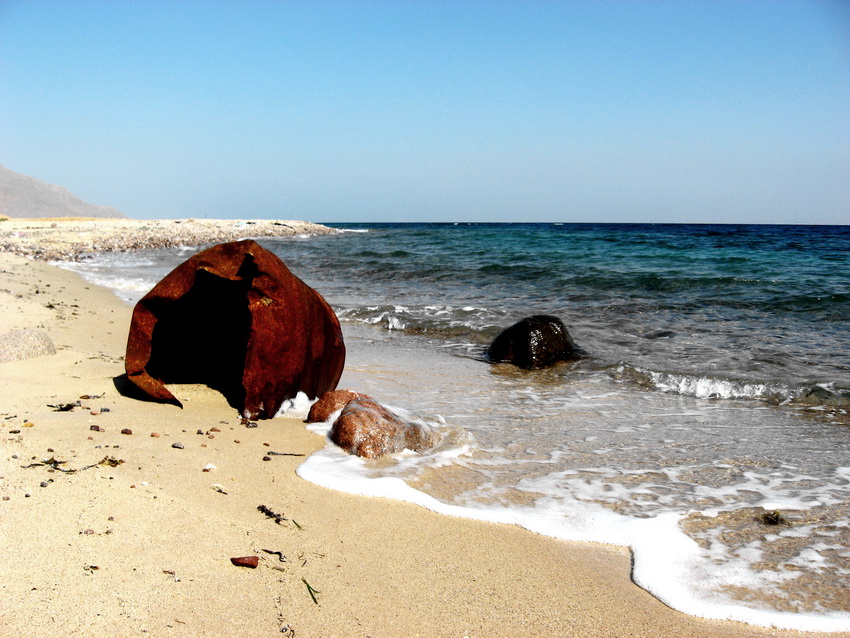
(143, 548)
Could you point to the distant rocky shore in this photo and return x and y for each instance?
(73, 239)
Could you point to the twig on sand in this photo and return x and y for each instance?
(311, 591)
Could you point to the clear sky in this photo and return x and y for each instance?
(443, 110)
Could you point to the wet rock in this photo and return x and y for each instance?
(329, 403)
(236, 319)
(368, 429)
(246, 561)
(535, 342)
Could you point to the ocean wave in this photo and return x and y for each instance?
(708, 387)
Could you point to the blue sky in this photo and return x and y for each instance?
(616, 111)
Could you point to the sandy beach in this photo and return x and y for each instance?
(119, 517)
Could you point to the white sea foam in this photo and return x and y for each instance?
(667, 563)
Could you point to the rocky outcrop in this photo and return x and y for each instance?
(368, 429)
(535, 342)
(235, 318)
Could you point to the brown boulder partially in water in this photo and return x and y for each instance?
(235, 318)
(330, 402)
(367, 428)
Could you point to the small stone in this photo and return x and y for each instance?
(178, 446)
(155, 435)
(126, 431)
(236, 440)
(199, 432)
(88, 531)
(26, 495)
(95, 413)
(210, 436)
(214, 430)
(111, 518)
(90, 438)
(246, 561)
(6, 498)
(50, 449)
(105, 410)
(14, 431)
(29, 424)
(43, 484)
(95, 428)
(267, 458)
(267, 444)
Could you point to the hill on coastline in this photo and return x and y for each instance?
(25, 197)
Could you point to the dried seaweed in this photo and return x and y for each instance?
(278, 518)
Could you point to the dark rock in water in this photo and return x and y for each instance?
(535, 342)
(330, 402)
(235, 318)
(27, 343)
(367, 428)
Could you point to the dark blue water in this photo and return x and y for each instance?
(763, 309)
(717, 389)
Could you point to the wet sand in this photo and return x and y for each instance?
(123, 534)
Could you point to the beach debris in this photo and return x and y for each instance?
(267, 458)
(111, 461)
(29, 424)
(233, 317)
(64, 407)
(218, 488)
(268, 512)
(177, 446)
(279, 555)
(246, 561)
(311, 591)
(86, 397)
(273, 453)
(368, 429)
(535, 342)
(172, 574)
(209, 467)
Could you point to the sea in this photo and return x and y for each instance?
(708, 429)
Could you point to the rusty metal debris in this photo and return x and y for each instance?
(235, 318)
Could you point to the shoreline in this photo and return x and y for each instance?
(143, 547)
(72, 239)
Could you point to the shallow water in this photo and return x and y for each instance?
(716, 392)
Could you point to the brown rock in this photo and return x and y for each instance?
(367, 428)
(235, 318)
(329, 403)
(246, 561)
(126, 431)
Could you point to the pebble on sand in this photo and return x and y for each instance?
(179, 446)
(246, 561)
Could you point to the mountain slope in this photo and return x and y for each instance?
(22, 196)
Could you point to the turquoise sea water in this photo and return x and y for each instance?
(717, 389)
